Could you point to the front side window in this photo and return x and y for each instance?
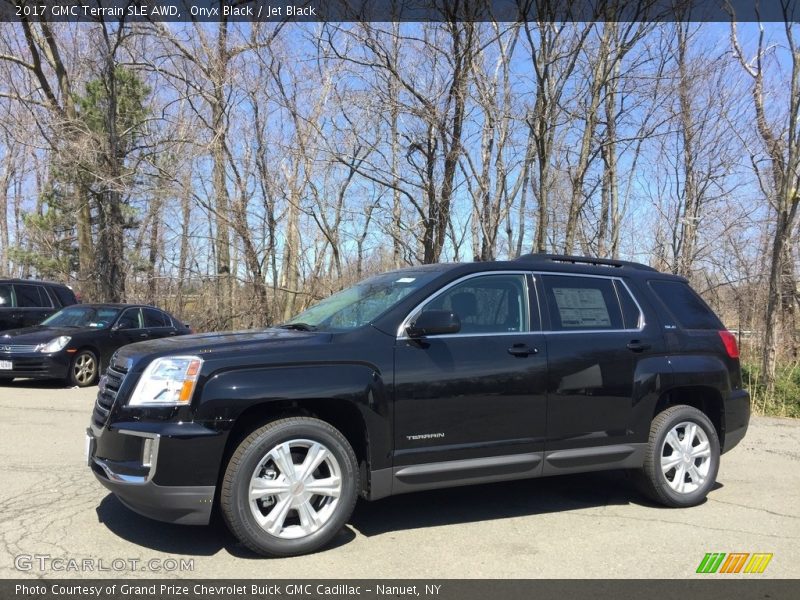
(582, 303)
(487, 304)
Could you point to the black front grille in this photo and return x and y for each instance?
(107, 393)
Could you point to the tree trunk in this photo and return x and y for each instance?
(219, 132)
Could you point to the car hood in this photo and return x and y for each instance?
(209, 344)
(39, 334)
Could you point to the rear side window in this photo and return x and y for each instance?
(5, 295)
(31, 296)
(65, 295)
(683, 303)
(155, 318)
(582, 303)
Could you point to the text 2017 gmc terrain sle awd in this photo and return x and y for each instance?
(426, 377)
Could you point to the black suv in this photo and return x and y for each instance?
(27, 302)
(426, 377)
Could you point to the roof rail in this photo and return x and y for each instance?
(583, 260)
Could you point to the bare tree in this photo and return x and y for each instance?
(780, 138)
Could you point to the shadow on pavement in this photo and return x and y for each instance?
(412, 511)
(164, 537)
(181, 539)
(496, 501)
(34, 384)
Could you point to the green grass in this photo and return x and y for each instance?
(785, 400)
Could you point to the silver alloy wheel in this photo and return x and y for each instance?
(295, 488)
(686, 457)
(84, 369)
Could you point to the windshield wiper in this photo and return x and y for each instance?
(298, 326)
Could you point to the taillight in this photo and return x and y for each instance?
(729, 341)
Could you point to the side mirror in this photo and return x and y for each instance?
(434, 322)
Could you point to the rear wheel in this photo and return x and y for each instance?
(289, 487)
(682, 457)
(83, 369)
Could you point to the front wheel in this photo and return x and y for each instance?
(83, 369)
(289, 487)
(682, 457)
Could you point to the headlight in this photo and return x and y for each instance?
(55, 345)
(167, 381)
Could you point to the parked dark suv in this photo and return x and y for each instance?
(27, 302)
(427, 377)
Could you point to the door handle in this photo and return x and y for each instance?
(637, 346)
(144, 335)
(522, 350)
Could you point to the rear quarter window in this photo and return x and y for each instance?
(685, 305)
(65, 295)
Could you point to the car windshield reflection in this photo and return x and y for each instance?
(83, 316)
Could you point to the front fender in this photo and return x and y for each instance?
(229, 392)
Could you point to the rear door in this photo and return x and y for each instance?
(597, 336)
(33, 304)
(476, 394)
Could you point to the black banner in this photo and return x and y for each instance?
(713, 588)
(399, 10)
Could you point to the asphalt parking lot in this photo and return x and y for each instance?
(594, 525)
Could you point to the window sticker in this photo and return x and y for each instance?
(406, 280)
(581, 307)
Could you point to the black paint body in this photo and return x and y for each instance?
(39, 300)
(431, 412)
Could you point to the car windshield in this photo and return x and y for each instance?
(83, 316)
(362, 303)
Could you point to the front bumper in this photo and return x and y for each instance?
(737, 418)
(157, 470)
(35, 365)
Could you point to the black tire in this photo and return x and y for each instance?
(660, 486)
(252, 452)
(77, 377)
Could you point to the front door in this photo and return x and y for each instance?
(475, 398)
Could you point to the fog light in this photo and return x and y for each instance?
(147, 452)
